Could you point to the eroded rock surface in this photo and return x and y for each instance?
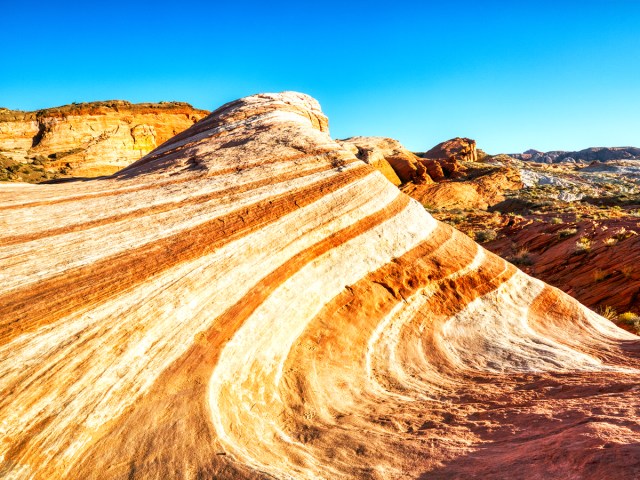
(251, 300)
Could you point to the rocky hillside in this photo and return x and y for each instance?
(252, 300)
(86, 139)
(593, 154)
(576, 227)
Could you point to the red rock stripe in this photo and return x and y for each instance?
(26, 309)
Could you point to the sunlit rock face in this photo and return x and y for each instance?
(251, 300)
(90, 139)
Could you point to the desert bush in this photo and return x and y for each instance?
(488, 235)
(567, 232)
(556, 220)
(623, 234)
(610, 242)
(599, 275)
(627, 271)
(520, 257)
(628, 317)
(583, 245)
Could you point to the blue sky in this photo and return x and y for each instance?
(512, 75)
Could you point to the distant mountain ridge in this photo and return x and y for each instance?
(593, 154)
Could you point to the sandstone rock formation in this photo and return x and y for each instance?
(395, 162)
(89, 139)
(251, 300)
(454, 150)
(481, 189)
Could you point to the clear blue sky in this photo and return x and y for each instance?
(513, 75)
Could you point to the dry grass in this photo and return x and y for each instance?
(608, 312)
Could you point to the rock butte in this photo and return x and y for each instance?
(250, 300)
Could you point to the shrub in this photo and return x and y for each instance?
(567, 232)
(599, 274)
(623, 234)
(628, 317)
(583, 245)
(556, 220)
(627, 271)
(610, 242)
(520, 257)
(488, 235)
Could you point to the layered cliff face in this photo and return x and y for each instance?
(87, 139)
(251, 300)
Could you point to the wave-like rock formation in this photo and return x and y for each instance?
(250, 300)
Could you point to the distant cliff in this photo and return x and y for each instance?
(86, 139)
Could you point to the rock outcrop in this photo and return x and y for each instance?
(395, 162)
(455, 150)
(251, 300)
(472, 190)
(88, 139)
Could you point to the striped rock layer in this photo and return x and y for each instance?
(250, 300)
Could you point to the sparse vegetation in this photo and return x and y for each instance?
(583, 245)
(628, 317)
(520, 257)
(488, 235)
(610, 242)
(630, 320)
(608, 312)
(599, 275)
(567, 232)
(556, 220)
